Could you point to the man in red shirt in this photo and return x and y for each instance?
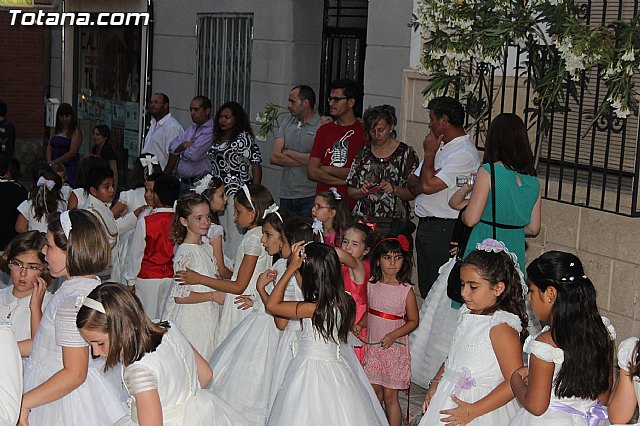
(336, 143)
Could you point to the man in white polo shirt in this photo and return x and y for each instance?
(448, 152)
(162, 130)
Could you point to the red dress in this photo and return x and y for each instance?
(390, 368)
(359, 293)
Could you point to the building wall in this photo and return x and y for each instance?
(23, 78)
(606, 243)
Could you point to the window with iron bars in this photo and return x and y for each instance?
(223, 70)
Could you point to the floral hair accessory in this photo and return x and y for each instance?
(335, 193)
(273, 208)
(572, 277)
(493, 246)
(202, 184)
(89, 303)
(148, 161)
(401, 239)
(317, 227)
(245, 189)
(65, 221)
(49, 184)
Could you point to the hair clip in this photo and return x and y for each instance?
(89, 303)
(245, 189)
(273, 208)
(49, 184)
(148, 161)
(202, 184)
(335, 193)
(65, 221)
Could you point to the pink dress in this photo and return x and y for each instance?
(359, 293)
(390, 368)
(332, 240)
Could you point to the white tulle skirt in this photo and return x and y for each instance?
(322, 388)
(430, 342)
(243, 366)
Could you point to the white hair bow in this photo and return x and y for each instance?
(45, 182)
(317, 227)
(148, 161)
(273, 208)
(202, 184)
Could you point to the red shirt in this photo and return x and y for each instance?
(334, 149)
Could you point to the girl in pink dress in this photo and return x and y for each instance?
(331, 216)
(392, 315)
(357, 243)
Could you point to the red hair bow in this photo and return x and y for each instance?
(371, 225)
(401, 239)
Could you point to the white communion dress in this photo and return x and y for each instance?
(172, 370)
(198, 321)
(243, 363)
(561, 411)
(471, 370)
(322, 388)
(96, 401)
(626, 352)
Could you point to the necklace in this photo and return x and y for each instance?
(12, 311)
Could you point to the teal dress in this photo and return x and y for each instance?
(514, 204)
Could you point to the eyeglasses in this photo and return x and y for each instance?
(17, 265)
(335, 99)
(320, 206)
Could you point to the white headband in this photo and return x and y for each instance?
(148, 161)
(245, 189)
(65, 221)
(335, 192)
(273, 208)
(89, 303)
(495, 246)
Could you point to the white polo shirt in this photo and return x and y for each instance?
(160, 135)
(457, 157)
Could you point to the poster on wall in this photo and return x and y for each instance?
(131, 119)
(131, 142)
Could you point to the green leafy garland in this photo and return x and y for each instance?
(463, 36)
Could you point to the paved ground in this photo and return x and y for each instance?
(415, 404)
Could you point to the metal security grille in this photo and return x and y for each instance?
(344, 39)
(224, 57)
(598, 168)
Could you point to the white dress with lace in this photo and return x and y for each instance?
(198, 321)
(243, 363)
(249, 246)
(626, 351)
(172, 371)
(96, 401)
(322, 386)
(554, 417)
(471, 370)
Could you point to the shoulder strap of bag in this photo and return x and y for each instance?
(493, 199)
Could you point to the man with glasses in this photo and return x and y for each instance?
(336, 143)
(162, 130)
(190, 148)
(291, 151)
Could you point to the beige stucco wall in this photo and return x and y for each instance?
(608, 244)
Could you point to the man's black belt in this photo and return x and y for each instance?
(191, 180)
(432, 218)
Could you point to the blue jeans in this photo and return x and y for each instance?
(299, 206)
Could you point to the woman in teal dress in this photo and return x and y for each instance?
(518, 203)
